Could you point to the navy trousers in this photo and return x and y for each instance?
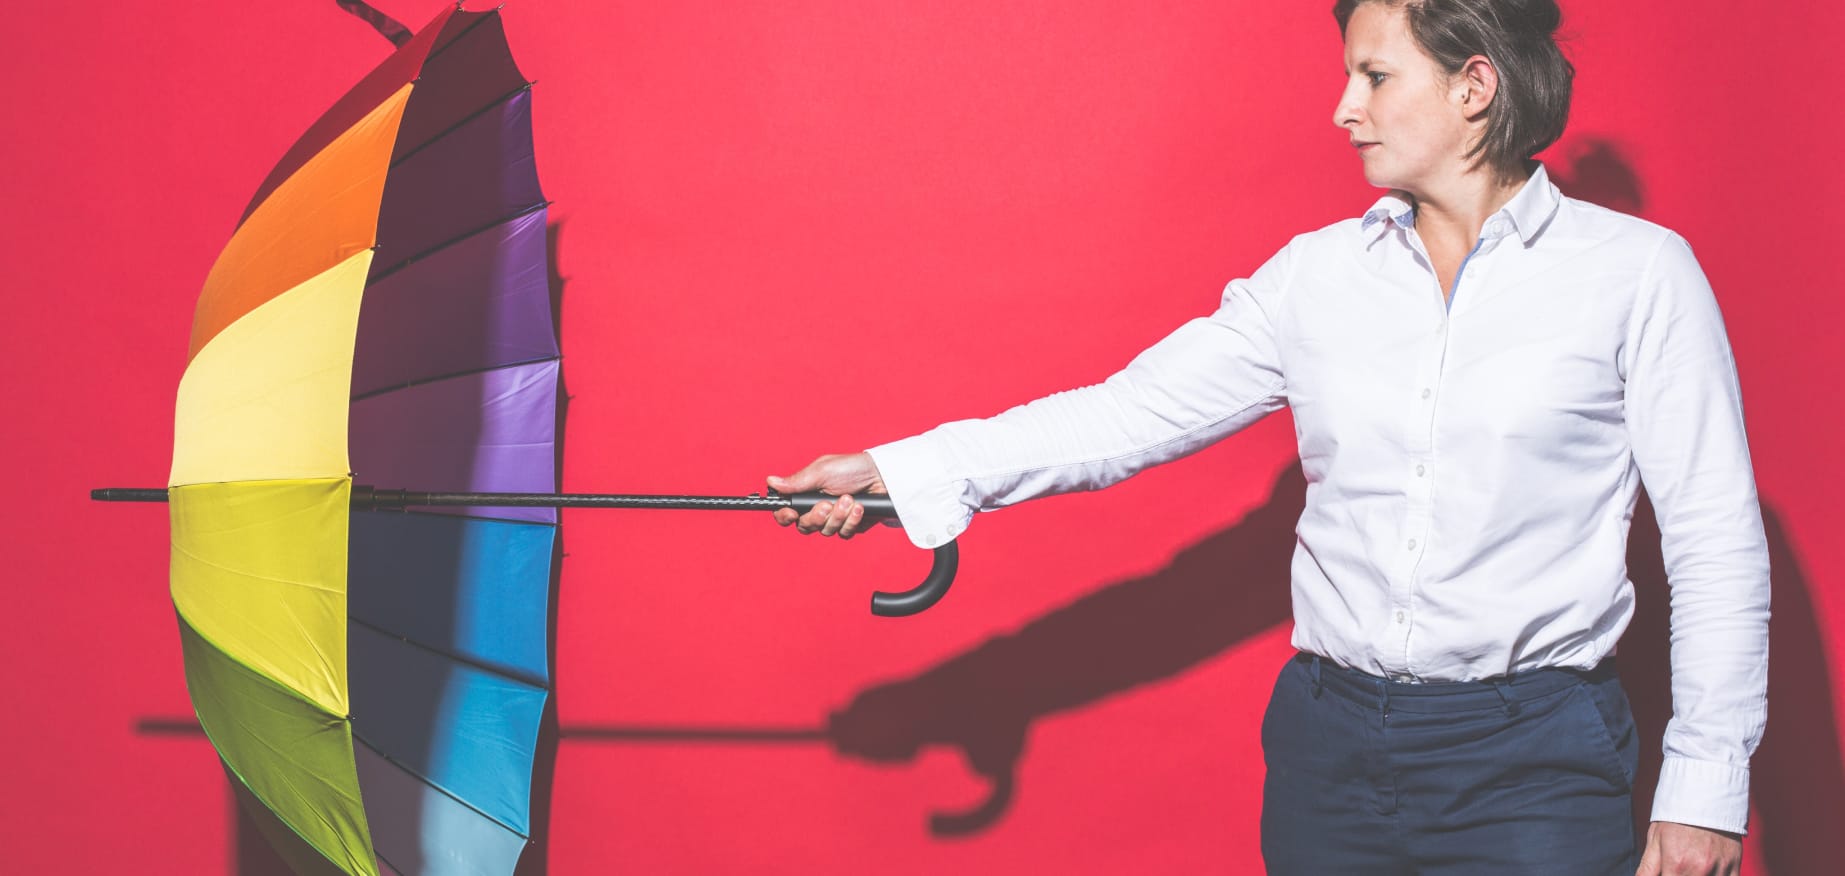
(1528, 774)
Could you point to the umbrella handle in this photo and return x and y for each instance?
(929, 592)
(908, 602)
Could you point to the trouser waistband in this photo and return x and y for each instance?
(1505, 691)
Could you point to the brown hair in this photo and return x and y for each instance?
(1519, 38)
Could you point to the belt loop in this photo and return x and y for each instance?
(1505, 696)
(1313, 671)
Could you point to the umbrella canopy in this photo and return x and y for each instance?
(374, 682)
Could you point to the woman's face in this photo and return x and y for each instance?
(1403, 113)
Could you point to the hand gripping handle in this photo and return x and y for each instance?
(909, 602)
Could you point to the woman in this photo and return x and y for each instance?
(1481, 373)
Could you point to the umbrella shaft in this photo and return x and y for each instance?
(875, 506)
(128, 494)
(373, 498)
(391, 499)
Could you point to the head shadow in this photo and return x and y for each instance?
(1595, 169)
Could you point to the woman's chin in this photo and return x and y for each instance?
(1378, 177)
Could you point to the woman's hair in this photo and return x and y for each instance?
(1518, 37)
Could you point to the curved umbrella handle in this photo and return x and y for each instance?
(929, 592)
(909, 602)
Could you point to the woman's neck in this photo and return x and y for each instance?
(1452, 214)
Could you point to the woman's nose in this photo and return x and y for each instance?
(1347, 111)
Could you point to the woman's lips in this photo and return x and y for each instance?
(1363, 146)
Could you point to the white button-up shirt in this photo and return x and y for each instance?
(1471, 469)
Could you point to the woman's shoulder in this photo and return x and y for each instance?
(1585, 223)
(1341, 237)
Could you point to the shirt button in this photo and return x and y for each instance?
(1400, 617)
(1412, 544)
(1420, 471)
(1427, 392)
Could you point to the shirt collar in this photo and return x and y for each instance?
(1394, 207)
(1525, 215)
(1530, 210)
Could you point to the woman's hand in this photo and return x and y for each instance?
(841, 475)
(1683, 850)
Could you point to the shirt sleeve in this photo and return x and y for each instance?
(1685, 422)
(1210, 378)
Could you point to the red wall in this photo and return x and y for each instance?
(801, 227)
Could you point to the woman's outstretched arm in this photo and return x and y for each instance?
(1209, 379)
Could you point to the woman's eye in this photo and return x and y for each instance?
(1376, 79)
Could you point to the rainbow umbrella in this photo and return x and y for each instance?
(374, 683)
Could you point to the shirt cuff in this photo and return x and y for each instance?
(928, 506)
(1703, 794)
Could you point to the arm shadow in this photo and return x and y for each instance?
(983, 702)
(1798, 780)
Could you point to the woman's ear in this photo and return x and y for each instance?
(1477, 84)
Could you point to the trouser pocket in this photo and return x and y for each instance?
(1607, 706)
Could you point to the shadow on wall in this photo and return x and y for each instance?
(1215, 594)
(1594, 170)
(1798, 780)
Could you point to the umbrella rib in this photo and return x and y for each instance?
(437, 52)
(427, 781)
(483, 666)
(521, 213)
(466, 119)
(371, 393)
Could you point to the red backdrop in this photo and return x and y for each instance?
(809, 226)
